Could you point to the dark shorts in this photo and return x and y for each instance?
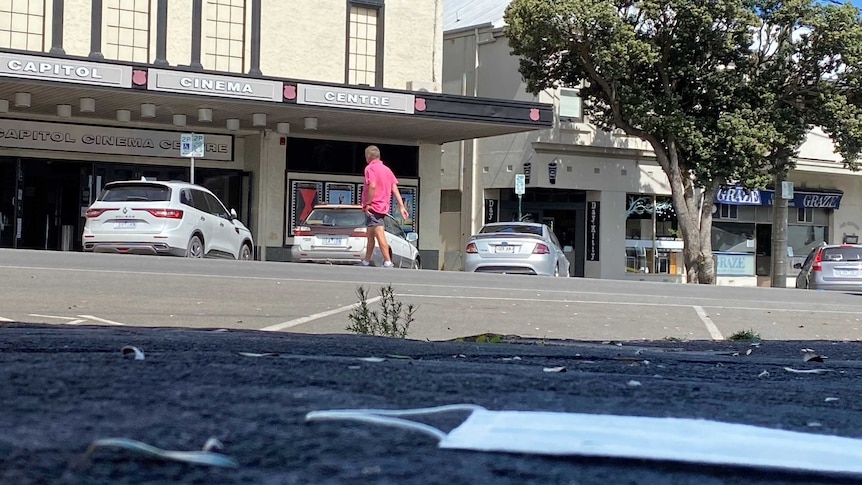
(373, 219)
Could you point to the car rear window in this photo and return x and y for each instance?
(136, 192)
(336, 218)
(513, 228)
(849, 253)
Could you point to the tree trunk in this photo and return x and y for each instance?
(694, 216)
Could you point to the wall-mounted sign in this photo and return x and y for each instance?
(65, 70)
(362, 99)
(491, 210)
(214, 85)
(593, 223)
(528, 167)
(552, 173)
(816, 199)
(36, 135)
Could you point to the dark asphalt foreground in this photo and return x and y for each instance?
(63, 387)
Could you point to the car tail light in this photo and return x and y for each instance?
(166, 213)
(817, 266)
(302, 231)
(471, 248)
(541, 249)
(359, 232)
(93, 213)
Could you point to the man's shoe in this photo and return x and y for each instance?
(388, 264)
(364, 263)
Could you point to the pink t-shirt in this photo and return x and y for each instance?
(382, 178)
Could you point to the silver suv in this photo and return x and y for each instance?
(174, 218)
(832, 267)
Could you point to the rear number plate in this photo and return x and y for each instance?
(505, 249)
(333, 241)
(124, 225)
(846, 272)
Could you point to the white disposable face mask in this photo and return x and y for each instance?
(684, 440)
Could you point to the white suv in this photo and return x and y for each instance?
(176, 218)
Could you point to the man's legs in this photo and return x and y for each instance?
(369, 243)
(380, 234)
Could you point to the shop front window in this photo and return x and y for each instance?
(653, 242)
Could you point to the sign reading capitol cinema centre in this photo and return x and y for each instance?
(65, 70)
(37, 135)
(214, 85)
(355, 98)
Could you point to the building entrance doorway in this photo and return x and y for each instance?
(48, 205)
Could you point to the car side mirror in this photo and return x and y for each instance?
(412, 237)
(233, 214)
(797, 266)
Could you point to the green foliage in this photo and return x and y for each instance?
(392, 320)
(745, 336)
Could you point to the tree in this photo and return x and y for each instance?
(688, 77)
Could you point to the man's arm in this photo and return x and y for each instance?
(400, 202)
(369, 196)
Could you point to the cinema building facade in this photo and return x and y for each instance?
(286, 96)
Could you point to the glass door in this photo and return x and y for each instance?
(9, 175)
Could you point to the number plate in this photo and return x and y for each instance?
(846, 272)
(504, 249)
(333, 241)
(124, 225)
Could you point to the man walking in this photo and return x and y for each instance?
(380, 186)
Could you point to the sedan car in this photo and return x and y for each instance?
(516, 247)
(337, 234)
(170, 218)
(832, 267)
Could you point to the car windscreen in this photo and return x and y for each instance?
(849, 253)
(336, 218)
(136, 192)
(512, 228)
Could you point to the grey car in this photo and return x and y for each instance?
(832, 267)
(516, 247)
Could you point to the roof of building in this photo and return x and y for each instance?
(460, 14)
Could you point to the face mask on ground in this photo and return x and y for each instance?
(683, 440)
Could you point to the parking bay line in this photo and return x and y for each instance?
(713, 330)
(300, 321)
(5, 320)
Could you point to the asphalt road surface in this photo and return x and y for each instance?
(210, 372)
(125, 290)
(63, 387)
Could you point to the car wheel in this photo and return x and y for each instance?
(196, 247)
(245, 253)
(417, 264)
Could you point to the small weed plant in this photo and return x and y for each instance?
(745, 336)
(393, 319)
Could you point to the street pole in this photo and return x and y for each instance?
(779, 232)
(193, 170)
(519, 207)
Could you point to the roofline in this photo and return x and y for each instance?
(469, 28)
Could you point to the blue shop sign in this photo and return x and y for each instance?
(816, 199)
(738, 196)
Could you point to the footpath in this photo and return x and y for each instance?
(62, 388)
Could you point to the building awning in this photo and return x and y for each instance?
(808, 198)
(340, 111)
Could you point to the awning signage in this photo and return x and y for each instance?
(37, 135)
(817, 199)
(214, 85)
(65, 70)
(737, 196)
(360, 99)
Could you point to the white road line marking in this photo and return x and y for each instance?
(630, 303)
(713, 330)
(97, 319)
(5, 320)
(76, 322)
(300, 321)
(51, 316)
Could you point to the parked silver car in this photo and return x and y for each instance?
(516, 247)
(832, 267)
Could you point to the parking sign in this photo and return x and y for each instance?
(192, 145)
(520, 183)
